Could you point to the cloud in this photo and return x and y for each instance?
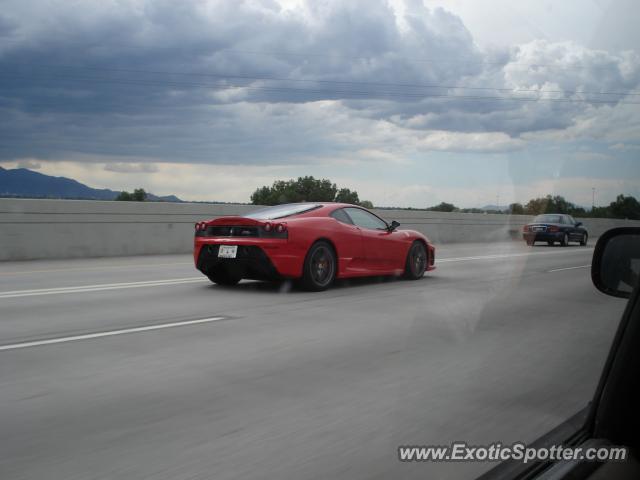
(624, 147)
(121, 167)
(139, 84)
(29, 163)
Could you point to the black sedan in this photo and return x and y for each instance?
(555, 227)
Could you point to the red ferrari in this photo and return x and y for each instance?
(314, 242)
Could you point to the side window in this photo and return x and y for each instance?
(364, 219)
(572, 220)
(341, 216)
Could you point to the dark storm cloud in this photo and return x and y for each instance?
(228, 81)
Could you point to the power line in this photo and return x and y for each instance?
(338, 82)
(328, 92)
(276, 53)
(411, 60)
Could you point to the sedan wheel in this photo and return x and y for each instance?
(565, 240)
(416, 261)
(585, 239)
(319, 267)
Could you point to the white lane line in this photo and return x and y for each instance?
(109, 333)
(508, 255)
(177, 281)
(568, 268)
(97, 288)
(101, 267)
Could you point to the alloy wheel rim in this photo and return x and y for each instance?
(418, 260)
(322, 266)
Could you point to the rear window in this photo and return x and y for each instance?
(281, 211)
(548, 219)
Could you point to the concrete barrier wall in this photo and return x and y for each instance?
(39, 229)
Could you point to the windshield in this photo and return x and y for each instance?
(281, 239)
(282, 211)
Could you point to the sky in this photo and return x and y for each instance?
(409, 102)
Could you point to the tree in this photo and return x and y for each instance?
(345, 195)
(516, 209)
(366, 204)
(443, 207)
(138, 195)
(303, 189)
(549, 204)
(625, 207)
(124, 197)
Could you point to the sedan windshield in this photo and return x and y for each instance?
(281, 211)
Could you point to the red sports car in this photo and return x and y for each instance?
(314, 242)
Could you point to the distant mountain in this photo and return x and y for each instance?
(495, 207)
(21, 182)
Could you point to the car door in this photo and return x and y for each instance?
(577, 229)
(575, 233)
(351, 247)
(380, 245)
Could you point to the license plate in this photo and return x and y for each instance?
(538, 229)
(227, 251)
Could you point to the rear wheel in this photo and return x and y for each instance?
(222, 277)
(416, 261)
(529, 242)
(565, 240)
(319, 267)
(585, 239)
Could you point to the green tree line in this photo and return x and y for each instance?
(138, 195)
(623, 207)
(305, 189)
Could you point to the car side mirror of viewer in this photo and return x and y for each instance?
(393, 225)
(615, 268)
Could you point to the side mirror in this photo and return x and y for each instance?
(578, 224)
(615, 268)
(393, 226)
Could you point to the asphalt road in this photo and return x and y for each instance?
(138, 367)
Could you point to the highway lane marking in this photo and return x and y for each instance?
(177, 281)
(109, 333)
(567, 268)
(507, 255)
(98, 288)
(75, 269)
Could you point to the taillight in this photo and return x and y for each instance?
(200, 226)
(281, 228)
(525, 228)
(267, 227)
(553, 228)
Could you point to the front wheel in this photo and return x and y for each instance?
(416, 261)
(319, 267)
(585, 239)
